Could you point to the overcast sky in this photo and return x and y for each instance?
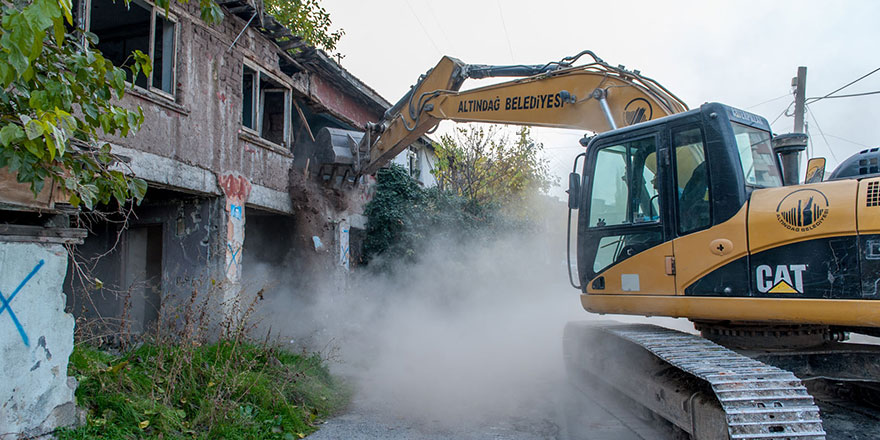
(741, 53)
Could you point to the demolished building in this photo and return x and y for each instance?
(231, 150)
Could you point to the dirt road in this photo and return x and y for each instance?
(566, 414)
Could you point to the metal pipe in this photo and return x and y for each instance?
(600, 94)
(242, 31)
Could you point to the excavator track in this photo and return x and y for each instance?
(698, 386)
(760, 401)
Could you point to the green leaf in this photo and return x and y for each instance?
(41, 14)
(89, 195)
(143, 61)
(37, 186)
(60, 140)
(7, 74)
(18, 61)
(50, 147)
(33, 148)
(66, 7)
(11, 133)
(119, 82)
(38, 99)
(138, 188)
(33, 129)
(60, 31)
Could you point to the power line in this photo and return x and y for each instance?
(847, 140)
(852, 95)
(769, 101)
(830, 150)
(506, 35)
(439, 25)
(423, 28)
(781, 113)
(845, 86)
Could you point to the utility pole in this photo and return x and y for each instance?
(789, 146)
(800, 93)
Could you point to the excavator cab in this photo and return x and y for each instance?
(688, 216)
(655, 182)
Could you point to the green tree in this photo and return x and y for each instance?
(481, 164)
(58, 96)
(54, 91)
(306, 18)
(402, 217)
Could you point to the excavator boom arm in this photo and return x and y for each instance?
(595, 97)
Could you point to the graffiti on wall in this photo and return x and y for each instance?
(237, 189)
(367, 188)
(5, 301)
(343, 240)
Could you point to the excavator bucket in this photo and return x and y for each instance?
(338, 155)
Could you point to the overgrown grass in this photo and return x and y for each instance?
(225, 390)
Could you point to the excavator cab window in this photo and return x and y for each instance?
(631, 194)
(624, 214)
(757, 158)
(692, 179)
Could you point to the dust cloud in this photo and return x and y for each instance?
(470, 332)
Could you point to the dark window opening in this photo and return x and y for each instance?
(123, 28)
(248, 95)
(265, 107)
(163, 54)
(273, 122)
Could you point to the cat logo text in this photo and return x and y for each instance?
(780, 279)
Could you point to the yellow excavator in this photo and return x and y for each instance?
(697, 214)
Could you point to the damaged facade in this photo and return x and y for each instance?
(231, 149)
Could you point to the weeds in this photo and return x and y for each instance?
(226, 390)
(193, 378)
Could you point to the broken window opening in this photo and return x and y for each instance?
(163, 53)
(265, 106)
(123, 28)
(248, 94)
(415, 169)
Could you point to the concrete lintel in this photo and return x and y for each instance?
(39, 234)
(168, 172)
(270, 199)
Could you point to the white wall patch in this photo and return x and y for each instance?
(629, 282)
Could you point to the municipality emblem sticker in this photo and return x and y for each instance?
(802, 210)
(638, 110)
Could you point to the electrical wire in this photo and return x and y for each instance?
(812, 100)
(847, 140)
(769, 101)
(506, 34)
(782, 113)
(813, 116)
(439, 25)
(853, 95)
(413, 11)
